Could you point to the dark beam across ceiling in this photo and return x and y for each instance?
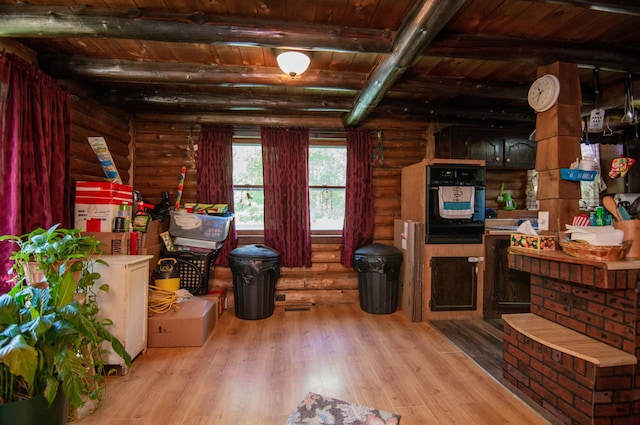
(426, 21)
(23, 21)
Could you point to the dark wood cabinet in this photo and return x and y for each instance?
(519, 153)
(505, 290)
(498, 148)
(454, 282)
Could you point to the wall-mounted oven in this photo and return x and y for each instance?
(455, 204)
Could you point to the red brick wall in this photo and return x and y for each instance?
(576, 391)
(606, 315)
(591, 299)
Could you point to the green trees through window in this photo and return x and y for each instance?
(327, 179)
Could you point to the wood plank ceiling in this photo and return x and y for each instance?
(455, 61)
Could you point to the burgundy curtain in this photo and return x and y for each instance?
(215, 177)
(285, 161)
(358, 215)
(35, 132)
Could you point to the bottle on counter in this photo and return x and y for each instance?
(600, 219)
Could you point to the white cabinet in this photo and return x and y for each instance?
(125, 304)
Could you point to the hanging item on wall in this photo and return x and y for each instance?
(378, 154)
(183, 174)
(620, 166)
(192, 149)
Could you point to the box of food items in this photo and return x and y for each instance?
(536, 242)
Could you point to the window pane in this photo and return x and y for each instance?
(327, 171)
(247, 180)
(327, 166)
(247, 165)
(326, 209)
(249, 204)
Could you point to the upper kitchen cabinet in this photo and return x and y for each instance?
(498, 148)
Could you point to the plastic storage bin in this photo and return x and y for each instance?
(378, 267)
(255, 269)
(195, 268)
(199, 226)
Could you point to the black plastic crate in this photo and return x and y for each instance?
(195, 268)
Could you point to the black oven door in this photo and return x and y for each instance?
(441, 230)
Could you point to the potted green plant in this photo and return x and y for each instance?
(50, 337)
(44, 255)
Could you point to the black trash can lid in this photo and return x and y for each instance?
(256, 251)
(378, 250)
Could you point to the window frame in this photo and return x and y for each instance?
(328, 139)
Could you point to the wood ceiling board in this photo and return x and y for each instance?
(121, 4)
(391, 13)
(297, 12)
(330, 12)
(472, 15)
(503, 17)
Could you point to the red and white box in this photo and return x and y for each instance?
(104, 190)
(97, 204)
(105, 210)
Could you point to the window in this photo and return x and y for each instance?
(327, 180)
(248, 192)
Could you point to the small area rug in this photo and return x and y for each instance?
(319, 410)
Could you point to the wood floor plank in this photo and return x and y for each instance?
(256, 372)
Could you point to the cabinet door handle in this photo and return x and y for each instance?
(497, 158)
(507, 160)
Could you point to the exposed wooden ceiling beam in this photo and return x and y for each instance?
(172, 74)
(511, 49)
(623, 7)
(159, 100)
(23, 21)
(418, 31)
(128, 71)
(211, 102)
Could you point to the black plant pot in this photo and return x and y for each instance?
(35, 411)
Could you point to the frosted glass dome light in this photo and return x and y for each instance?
(293, 63)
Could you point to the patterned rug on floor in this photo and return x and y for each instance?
(319, 410)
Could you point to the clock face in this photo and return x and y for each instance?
(544, 92)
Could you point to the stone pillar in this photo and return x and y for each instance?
(558, 133)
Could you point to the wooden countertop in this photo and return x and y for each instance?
(568, 341)
(560, 256)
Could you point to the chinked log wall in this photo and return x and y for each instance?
(161, 150)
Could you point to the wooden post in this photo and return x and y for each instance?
(558, 133)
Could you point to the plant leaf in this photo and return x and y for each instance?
(21, 358)
(64, 290)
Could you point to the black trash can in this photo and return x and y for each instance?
(255, 269)
(378, 267)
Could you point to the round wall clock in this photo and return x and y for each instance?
(544, 92)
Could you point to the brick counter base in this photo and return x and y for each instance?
(575, 390)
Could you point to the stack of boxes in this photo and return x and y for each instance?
(104, 210)
(97, 204)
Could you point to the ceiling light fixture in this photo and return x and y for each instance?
(293, 63)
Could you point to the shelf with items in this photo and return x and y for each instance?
(575, 174)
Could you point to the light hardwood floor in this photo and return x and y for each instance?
(256, 372)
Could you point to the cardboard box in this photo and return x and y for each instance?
(190, 326)
(540, 242)
(113, 243)
(152, 236)
(106, 213)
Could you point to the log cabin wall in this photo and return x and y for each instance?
(160, 152)
(90, 119)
